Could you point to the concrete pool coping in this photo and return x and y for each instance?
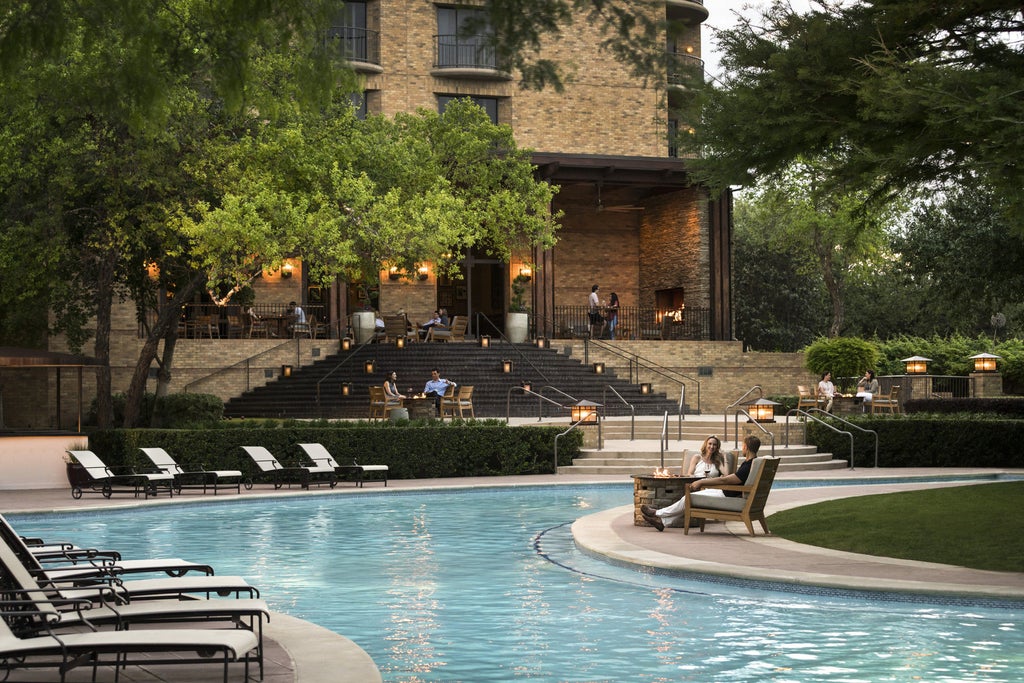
(303, 652)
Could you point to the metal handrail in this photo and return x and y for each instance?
(352, 354)
(574, 425)
(725, 427)
(548, 386)
(508, 401)
(661, 370)
(632, 409)
(807, 414)
(245, 362)
(504, 339)
(736, 418)
(663, 444)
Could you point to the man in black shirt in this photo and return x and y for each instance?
(751, 445)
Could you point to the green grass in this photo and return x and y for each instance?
(978, 526)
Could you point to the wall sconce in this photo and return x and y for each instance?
(526, 385)
(542, 342)
(985, 362)
(286, 270)
(599, 368)
(645, 388)
(916, 365)
(506, 366)
(585, 412)
(346, 344)
(346, 389)
(399, 342)
(368, 367)
(526, 273)
(762, 410)
(423, 273)
(484, 341)
(286, 371)
(393, 273)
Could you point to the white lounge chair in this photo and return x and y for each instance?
(318, 453)
(105, 480)
(110, 610)
(194, 479)
(66, 651)
(280, 475)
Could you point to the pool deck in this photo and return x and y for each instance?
(300, 652)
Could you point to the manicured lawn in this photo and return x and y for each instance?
(979, 526)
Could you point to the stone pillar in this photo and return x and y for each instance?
(987, 384)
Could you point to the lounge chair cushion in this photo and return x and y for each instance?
(709, 501)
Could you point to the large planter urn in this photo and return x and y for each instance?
(517, 327)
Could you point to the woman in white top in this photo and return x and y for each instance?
(709, 462)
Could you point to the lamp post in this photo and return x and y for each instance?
(985, 362)
(762, 410)
(986, 380)
(586, 413)
(916, 365)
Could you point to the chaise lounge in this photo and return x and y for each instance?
(104, 480)
(318, 453)
(194, 479)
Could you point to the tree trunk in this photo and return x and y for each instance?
(168, 316)
(104, 302)
(832, 284)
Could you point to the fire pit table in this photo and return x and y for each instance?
(658, 491)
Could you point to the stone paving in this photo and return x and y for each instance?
(301, 652)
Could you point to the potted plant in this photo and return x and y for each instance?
(517, 321)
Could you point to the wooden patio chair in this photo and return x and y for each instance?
(462, 401)
(889, 404)
(379, 407)
(455, 332)
(703, 506)
(807, 398)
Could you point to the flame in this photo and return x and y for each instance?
(662, 472)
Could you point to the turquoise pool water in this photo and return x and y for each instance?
(485, 585)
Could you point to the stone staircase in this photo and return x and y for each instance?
(642, 454)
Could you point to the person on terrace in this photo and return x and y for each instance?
(826, 391)
(435, 387)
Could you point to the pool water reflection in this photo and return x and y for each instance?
(485, 585)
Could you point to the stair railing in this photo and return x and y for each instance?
(737, 402)
(807, 414)
(632, 409)
(540, 399)
(574, 425)
(636, 362)
(343, 363)
(246, 363)
(501, 335)
(663, 440)
(559, 391)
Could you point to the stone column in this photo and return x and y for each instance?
(987, 384)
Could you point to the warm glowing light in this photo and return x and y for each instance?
(585, 412)
(916, 365)
(368, 367)
(484, 341)
(985, 362)
(506, 366)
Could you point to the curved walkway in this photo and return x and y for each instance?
(301, 652)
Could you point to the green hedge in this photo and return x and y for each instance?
(411, 450)
(927, 441)
(1008, 406)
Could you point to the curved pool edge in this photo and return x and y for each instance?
(727, 551)
(319, 655)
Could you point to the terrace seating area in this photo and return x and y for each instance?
(495, 394)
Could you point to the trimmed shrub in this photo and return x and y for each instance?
(412, 450)
(179, 411)
(842, 356)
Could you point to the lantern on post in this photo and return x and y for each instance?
(506, 366)
(585, 413)
(985, 362)
(916, 365)
(762, 410)
(484, 341)
(346, 344)
(542, 342)
(286, 371)
(645, 388)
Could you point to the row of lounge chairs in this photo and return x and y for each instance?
(63, 607)
(168, 476)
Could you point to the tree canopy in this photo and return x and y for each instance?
(902, 93)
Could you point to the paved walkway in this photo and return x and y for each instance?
(300, 652)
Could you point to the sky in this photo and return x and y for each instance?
(722, 16)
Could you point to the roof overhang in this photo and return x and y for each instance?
(14, 357)
(667, 173)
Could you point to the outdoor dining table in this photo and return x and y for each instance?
(420, 407)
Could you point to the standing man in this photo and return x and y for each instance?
(436, 387)
(596, 319)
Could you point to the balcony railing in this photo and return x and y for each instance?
(464, 52)
(684, 69)
(231, 322)
(634, 322)
(356, 44)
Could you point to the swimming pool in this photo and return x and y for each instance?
(449, 586)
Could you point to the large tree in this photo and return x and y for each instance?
(904, 93)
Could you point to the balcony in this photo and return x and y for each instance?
(459, 56)
(359, 46)
(692, 10)
(684, 70)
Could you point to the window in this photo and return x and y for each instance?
(355, 40)
(673, 131)
(463, 39)
(488, 104)
(358, 100)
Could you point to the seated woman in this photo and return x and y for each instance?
(867, 386)
(391, 393)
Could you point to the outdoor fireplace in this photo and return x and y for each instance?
(657, 489)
